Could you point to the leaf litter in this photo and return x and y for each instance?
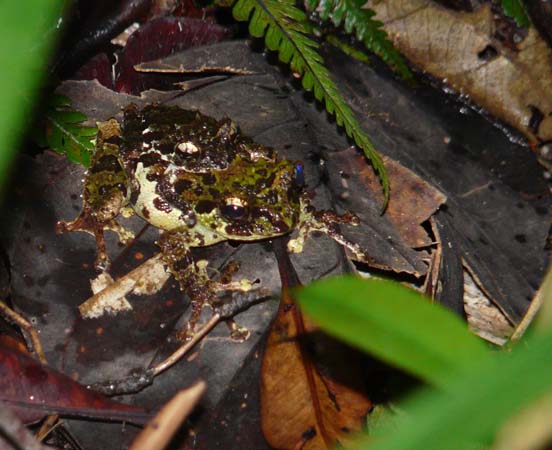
(318, 138)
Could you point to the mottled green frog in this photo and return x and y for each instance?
(201, 181)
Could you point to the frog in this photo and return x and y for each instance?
(200, 181)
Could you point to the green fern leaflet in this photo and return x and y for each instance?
(516, 10)
(348, 49)
(62, 131)
(360, 21)
(285, 29)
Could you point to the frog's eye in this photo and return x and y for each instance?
(299, 175)
(233, 208)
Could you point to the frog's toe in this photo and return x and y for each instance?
(102, 262)
(88, 223)
(296, 245)
(238, 333)
(125, 235)
(85, 222)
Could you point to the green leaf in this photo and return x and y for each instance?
(64, 133)
(347, 48)
(394, 323)
(287, 30)
(474, 406)
(516, 10)
(27, 33)
(358, 20)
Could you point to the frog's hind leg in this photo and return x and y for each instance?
(326, 222)
(106, 191)
(193, 277)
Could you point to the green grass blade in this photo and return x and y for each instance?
(395, 324)
(475, 406)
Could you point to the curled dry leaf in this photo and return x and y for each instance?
(230, 60)
(462, 50)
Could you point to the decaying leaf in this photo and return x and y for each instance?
(414, 200)
(303, 406)
(484, 319)
(158, 38)
(34, 391)
(497, 214)
(201, 60)
(461, 49)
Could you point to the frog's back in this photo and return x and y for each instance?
(192, 171)
(169, 134)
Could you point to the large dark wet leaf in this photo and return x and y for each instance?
(497, 213)
(51, 274)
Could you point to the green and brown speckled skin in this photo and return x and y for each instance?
(202, 182)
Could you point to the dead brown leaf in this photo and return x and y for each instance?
(460, 48)
(413, 202)
(303, 406)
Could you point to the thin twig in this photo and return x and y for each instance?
(181, 351)
(49, 425)
(26, 327)
(36, 346)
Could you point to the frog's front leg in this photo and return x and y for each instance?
(106, 191)
(192, 275)
(325, 222)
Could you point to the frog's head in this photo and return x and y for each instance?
(250, 201)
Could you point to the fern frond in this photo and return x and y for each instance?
(516, 10)
(62, 131)
(360, 21)
(285, 29)
(347, 48)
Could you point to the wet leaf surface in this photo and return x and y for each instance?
(463, 50)
(237, 417)
(497, 212)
